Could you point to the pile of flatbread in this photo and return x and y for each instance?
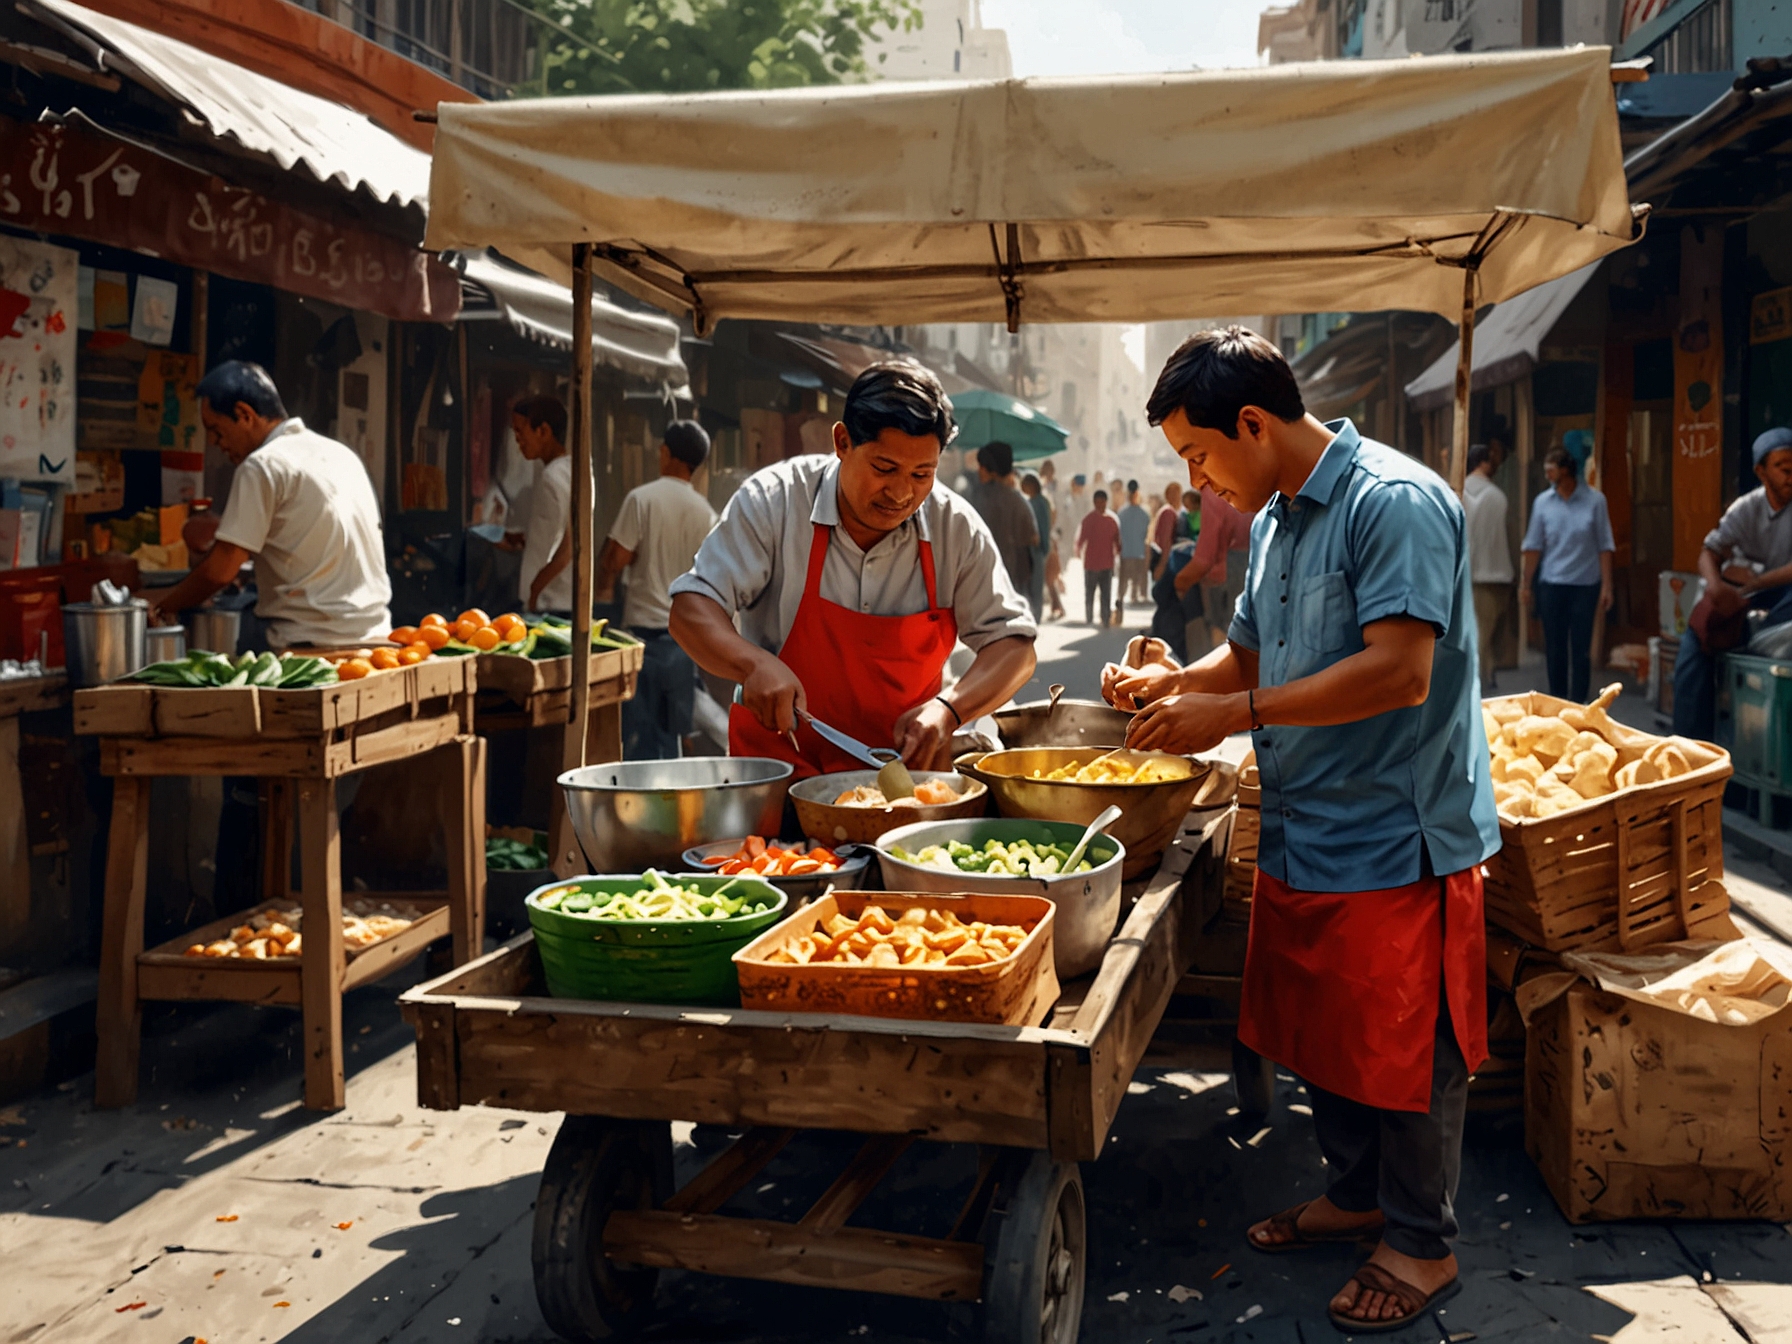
(1545, 764)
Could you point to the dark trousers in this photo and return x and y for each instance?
(1401, 1162)
(1567, 611)
(665, 700)
(1695, 670)
(1172, 611)
(1097, 581)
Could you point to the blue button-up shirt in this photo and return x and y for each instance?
(1571, 533)
(1352, 807)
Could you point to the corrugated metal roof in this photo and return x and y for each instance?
(1506, 341)
(297, 131)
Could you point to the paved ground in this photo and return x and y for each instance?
(216, 1209)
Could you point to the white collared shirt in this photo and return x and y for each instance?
(303, 506)
(756, 561)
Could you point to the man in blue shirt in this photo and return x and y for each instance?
(1351, 658)
(1135, 568)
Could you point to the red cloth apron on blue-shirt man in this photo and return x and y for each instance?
(1343, 988)
(860, 673)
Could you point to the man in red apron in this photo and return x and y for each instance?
(836, 587)
(1351, 659)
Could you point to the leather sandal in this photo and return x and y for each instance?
(1412, 1301)
(1289, 1221)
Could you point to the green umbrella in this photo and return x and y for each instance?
(990, 417)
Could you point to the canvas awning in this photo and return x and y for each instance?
(1298, 188)
(642, 344)
(1506, 341)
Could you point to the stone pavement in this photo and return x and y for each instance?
(217, 1209)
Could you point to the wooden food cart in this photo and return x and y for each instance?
(23, 695)
(297, 744)
(1036, 1101)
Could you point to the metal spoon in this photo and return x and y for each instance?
(1109, 815)
(1056, 692)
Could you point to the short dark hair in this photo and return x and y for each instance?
(1132, 487)
(997, 457)
(1477, 454)
(687, 441)
(1561, 457)
(1031, 478)
(1102, 495)
(1215, 374)
(237, 380)
(543, 410)
(897, 394)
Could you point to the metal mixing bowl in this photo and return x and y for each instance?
(822, 819)
(631, 815)
(1071, 723)
(1150, 813)
(849, 876)
(1088, 903)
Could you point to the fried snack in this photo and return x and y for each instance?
(1505, 711)
(1546, 739)
(1668, 759)
(1592, 777)
(921, 937)
(1490, 726)
(271, 934)
(1553, 796)
(1527, 768)
(1107, 770)
(1634, 773)
(935, 792)
(1515, 799)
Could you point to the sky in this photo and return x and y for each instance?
(1109, 37)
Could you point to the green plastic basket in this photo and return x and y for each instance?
(647, 961)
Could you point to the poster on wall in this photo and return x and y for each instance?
(38, 294)
(168, 402)
(1698, 393)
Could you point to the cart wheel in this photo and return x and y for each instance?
(596, 1166)
(1034, 1264)
(1254, 1080)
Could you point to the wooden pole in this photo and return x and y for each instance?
(1465, 363)
(583, 506)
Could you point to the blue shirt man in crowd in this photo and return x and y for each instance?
(1352, 659)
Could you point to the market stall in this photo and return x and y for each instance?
(1438, 186)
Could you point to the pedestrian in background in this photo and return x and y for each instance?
(1568, 558)
(1045, 550)
(1163, 530)
(657, 534)
(1008, 516)
(1098, 546)
(1489, 552)
(1135, 537)
(544, 581)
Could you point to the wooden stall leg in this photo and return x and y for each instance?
(321, 965)
(603, 734)
(119, 1013)
(276, 839)
(15, 845)
(463, 830)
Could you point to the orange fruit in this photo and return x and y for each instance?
(410, 657)
(353, 669)
(435, 636)
(464, 628)
(404, 634)
(485, 638)
(476, 616)
(383, 660)
(434, 618)
(419, 647)
(515, 634)
(507, 622)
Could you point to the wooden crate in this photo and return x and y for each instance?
(541, 689)
(1640, 866)
(167, 972)
(1241, 850)
(319, 732)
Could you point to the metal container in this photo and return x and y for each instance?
(1070, 723)
(1088, 903)
(827, 821)
(631, 815)
(166, 643)
(1150, 813)
(215, 629)
(105, 643)
(849, 876)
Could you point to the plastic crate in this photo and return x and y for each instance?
(1759, 691)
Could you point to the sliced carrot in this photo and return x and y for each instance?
(732, 866)
(802, 866)
(755, 846)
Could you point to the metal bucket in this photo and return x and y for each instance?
(166, 643)
(105, 643)
(215, 629)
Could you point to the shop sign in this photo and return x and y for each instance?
(1770, 317)
(1698, 393)
(61, 179)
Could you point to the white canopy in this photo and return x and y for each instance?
(1298, 188)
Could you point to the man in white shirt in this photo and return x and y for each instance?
(303, 507)
(544, 582)
(1489, 552)
(655, 538)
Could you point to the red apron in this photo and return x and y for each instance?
(1342, 988)
(860, 673)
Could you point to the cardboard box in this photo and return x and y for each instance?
(1634, 1111)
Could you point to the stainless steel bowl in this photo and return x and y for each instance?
(1088, 903)
(631, 815)
(823, 819)
(1072, 723)
(166, 643)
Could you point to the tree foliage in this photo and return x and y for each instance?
(693, 46)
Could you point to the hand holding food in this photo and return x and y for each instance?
(1188, 723)
(923, 735)
(921, 937)
(1543, 764)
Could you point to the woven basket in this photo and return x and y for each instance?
(1636, 867)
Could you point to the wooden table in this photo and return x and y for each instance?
(517, 693)
(24, 695)
(1037, 1100)
(298, 744)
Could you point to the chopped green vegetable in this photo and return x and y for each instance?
(660, 901)
(284, 671)
(1013, 858)
(508, 855)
